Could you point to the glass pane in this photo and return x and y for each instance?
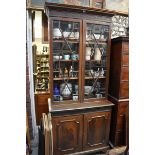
(95, 60)
(65, 60)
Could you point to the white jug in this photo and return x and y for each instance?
(97, 55)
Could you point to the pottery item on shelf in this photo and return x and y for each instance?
(88, 37)
(75, 97)
(60, 57)
(72, 35)
(57, 33)
(88, 51)
(61, 98)
(76, 35)
(88, 89)
(87, 57)
(74, 56)
(97, 55)
(57, 57)
(100, 37)
(66, 89)
(97, 36)
(66, 57)
(66, 34)
(103, 38)
(98, 95)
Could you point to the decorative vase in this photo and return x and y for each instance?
(56, 91)
(97, 55)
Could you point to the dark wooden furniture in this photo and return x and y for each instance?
(41, 105)
(81, 125)
(119, 89)
(81, 128)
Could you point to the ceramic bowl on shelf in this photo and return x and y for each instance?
(56, 33)
(57, 57)
(75, 57)
(66, 57)
(66, 34)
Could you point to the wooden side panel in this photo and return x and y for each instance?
(126, 47)
(125, 74)
(124, 89)
(120, 129)
(41, 105)
(67, 134)
(96, 130)
(125, 60)
(115, 70)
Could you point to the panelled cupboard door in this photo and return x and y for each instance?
(67, 134)
(96, 130)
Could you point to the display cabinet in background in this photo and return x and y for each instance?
(41, 80)
(119, 90)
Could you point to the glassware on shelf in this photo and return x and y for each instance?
(56, 90)
(102, 72)
(71, 72)
(60, 73)
(56, 93)
(97, 73)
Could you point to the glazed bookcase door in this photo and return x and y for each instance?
(95, 53)
(65, 58)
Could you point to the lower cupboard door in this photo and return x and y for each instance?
(96, 130)
(67, 134)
